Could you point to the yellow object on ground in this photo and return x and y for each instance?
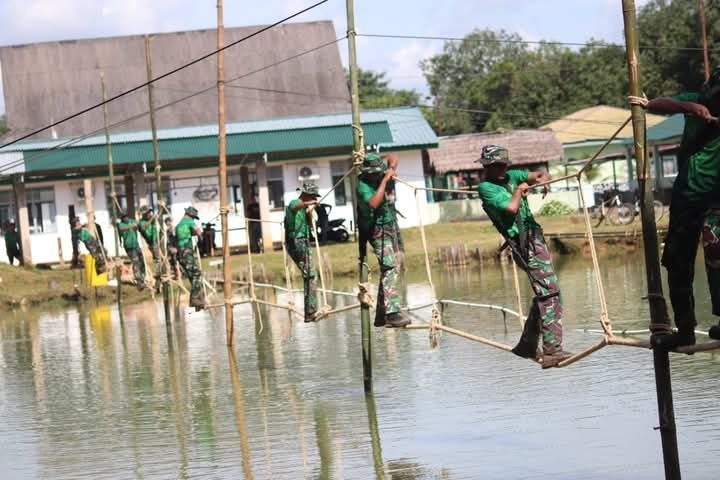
(92, 279)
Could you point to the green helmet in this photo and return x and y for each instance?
(372, 164)
(309, 189)
(192, 212)
(145, 209)
(494, 154)
(122, 213)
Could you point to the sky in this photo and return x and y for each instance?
(30, 21)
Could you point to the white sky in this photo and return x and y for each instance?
(29, 21)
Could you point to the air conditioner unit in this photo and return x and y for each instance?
(307, 172)
(79, 190)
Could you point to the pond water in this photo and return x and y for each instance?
(95, 394)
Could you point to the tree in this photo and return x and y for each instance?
(493, 80)
(376, 93)
(3, 126)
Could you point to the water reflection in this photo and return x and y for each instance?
(96, 394)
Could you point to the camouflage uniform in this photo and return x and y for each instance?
(546, 309)
(92, 246)
(128, 234)
(149, 232)
(530, 251)
(383, 241)
(298, 241)
(300, 250)
(138, 264)
(189, 264)
(711, 247)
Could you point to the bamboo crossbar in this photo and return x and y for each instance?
(481, 305)
(579, 356)
(475, 338)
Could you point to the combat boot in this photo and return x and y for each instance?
(550, 360)
(681, 338)
(714, 332)
(396, 320)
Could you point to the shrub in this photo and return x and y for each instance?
(555, 208)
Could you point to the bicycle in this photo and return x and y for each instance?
(614, 209)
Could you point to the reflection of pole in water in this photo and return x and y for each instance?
(300, 420)
(240, 415)
(375, 436)
(178, 406)
(38, 366)
(323, 442)
(128, 384)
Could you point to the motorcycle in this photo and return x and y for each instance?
(330, 230)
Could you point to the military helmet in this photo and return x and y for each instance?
(122, 213)
(494, 154)
(145, 209)
(192, 212)
(372, 164)
(309, 189)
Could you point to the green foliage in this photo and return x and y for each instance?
(3, 125)
(555, 208)
(488, 81)
(376, 93)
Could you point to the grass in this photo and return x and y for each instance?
(34, 287)
(343, 257)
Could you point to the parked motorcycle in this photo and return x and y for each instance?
(330, 230)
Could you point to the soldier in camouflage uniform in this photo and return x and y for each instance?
(376, 224)
(503, 195)
(298, 242)
(172, 250)
(696, 186)
(127, 228)
(91, 244)
(148, 228)
(184, 232)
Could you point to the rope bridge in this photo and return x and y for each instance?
(435, 325)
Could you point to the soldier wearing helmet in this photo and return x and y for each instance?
(297, 238)
(189, 262)
(503, 193)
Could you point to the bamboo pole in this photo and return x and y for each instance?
(703, 29)
(357, 147)
(222, 171)
(658, 309)
(160, 225)
(111, 173)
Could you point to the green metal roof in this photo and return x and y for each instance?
(300, 139)
(669, 129)
(392, 129)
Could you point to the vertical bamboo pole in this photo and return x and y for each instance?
(357, 146)
(706, 58)
(160, 224)
(111, 173)
(658, 309)
(222, 159)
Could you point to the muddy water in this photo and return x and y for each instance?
(105, 394)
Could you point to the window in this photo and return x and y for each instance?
(669, 165)
(276, 188)
(41, 210)
(7, 207)
(339, 168)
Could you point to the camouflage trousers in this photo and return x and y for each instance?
(191, 269)
(301, 252)
(94, 248)
(157, 264)
(546, 311)
(138, 264)
(686, 227)
(384, 244)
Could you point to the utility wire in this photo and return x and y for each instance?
(526, 42)
(73, 141)
(165, 75)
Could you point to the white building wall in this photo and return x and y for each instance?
(184, 184)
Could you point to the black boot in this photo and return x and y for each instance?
(714, 332)
(671, 341)
(528, 344)
(396, 320)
